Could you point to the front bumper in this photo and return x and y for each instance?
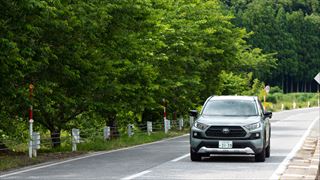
(206, 150)
(211, 146)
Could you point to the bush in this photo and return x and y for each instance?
(275, 89)
(272, 98)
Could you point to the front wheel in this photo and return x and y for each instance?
(268, 151)
(268, 147)
(194, 156)
(261, 157)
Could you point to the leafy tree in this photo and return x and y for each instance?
(284, 27)
(57, 50)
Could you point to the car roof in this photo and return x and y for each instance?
(249, 98)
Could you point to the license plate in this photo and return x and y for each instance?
(225, 144)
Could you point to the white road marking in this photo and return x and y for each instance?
(282, 167)
(181, 157)
(83, 157)
(136, 175)
(298, 167)
(295, 175)
(304, 167)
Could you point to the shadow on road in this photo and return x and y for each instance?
(241, 159)
(229, 159)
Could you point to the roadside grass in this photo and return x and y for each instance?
(275, 101)
(99, 144)
(12, 160)
(18, 160)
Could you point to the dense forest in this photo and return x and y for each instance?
(110, 62)
(289, 28)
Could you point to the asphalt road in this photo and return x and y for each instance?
(170, 159)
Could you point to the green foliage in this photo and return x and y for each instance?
(234, 84)
(275, 89)
(289, 28)
(271, 98)
(97, 63)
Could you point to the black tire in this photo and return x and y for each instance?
(261, 157)
(268, 151)
(194, 156)
(268, 148)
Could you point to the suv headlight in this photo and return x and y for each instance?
(253, 126)
(200, 125)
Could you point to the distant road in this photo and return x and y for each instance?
(170, 159)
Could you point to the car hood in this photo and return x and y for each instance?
(228, 120)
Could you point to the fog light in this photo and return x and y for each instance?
(196, 134)
(257, 135)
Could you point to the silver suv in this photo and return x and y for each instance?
(231, 125)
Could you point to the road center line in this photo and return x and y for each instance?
(282, 167)
(181, 157)
(136, 175)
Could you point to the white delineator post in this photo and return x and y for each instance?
(149, 127)
(106, 132)
(130, 130)
(294, 105)
(30, 121)
(36, 143)
(165, 117)
(75, 138)
(180, 124)
(191, 120)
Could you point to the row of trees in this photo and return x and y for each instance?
(289, 28)
(96, 63)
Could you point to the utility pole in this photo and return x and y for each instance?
(30, 119)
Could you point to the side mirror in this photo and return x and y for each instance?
(193, 113)
(268, 114)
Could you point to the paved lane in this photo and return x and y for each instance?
(169, 159)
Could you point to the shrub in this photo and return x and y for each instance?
(275, 89)
(272, 98)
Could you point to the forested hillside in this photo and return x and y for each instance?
(96, 63)
(289, 28)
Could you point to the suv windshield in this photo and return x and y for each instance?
(230, 108)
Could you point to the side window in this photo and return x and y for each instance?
(260, 107)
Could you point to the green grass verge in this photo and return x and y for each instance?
(98, 144)
(276, 100)
(15, 160)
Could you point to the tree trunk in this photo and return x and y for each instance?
(55, 137)
(298, 86)
(175, 115)
(305, 86)
(282, 83)
(3, 148)
(310, 87)
(112, 123)
(287, 85)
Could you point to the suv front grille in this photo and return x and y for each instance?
(226, 131)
